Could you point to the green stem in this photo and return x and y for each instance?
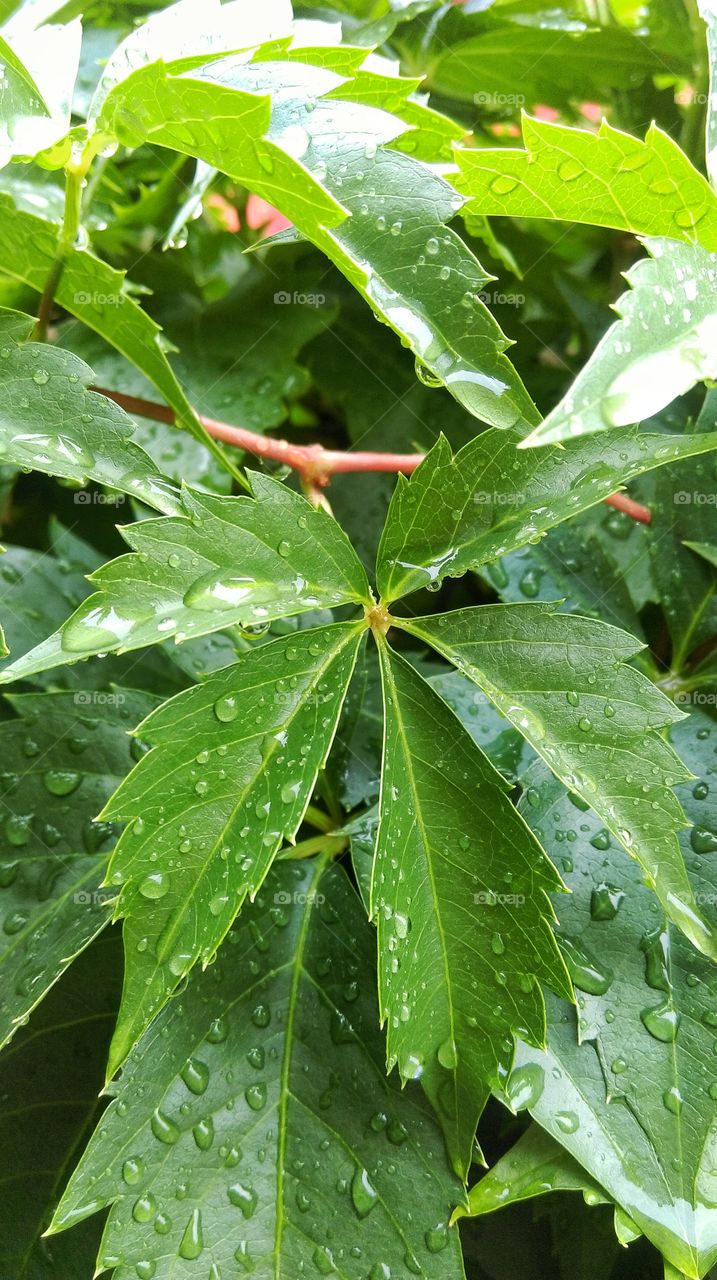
(693, 138)
(74, 177)
(317, 818)
(332, 845)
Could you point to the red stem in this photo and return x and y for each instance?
(313, 462)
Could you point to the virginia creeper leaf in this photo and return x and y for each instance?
(459, 893)
(635, 1088)
(96, 294)
(662, 345)
(609, 179)
(563, 682)
(300, 168)
(267, 1075)
(459, 512)
(53, 1072)
(242, 751)
(536, 1165)
(225, 562)
(51, 422)
(39, 65)
(63, 756)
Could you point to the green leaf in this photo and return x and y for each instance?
(225, 562)
(607, 179)
(96, 294)
(535, 1166)
(243, 750)
(683, 516)
(39, 67)
(662, 345)
(63, 756)
(53, 1073)
(268, 1078)
(459, 512)
(460, 896)
(562, 681)
(50, 422)
(519, 61)
(445, 323)
(636, 1074)
(708, 11)
(191, 30)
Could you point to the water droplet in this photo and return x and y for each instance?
(503, 184)
(196, 1075)
(163, 1128)
(226, 709)
(154, 885)
(192, 1242)
(255, 1095)
(363, 1194)
(61, 782)
(662, 1022)
(605, 901)
(243, 1197)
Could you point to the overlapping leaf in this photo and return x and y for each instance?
(229, 779)
(268, 1077)
(507, 56)
(50, 422)
(662, 345)
(609, 179)
(459, 893)
(53, 1072)
(457, 513)
(629, 1091)
(225, 562)
(321, 165)
(63, 756)
(564, 683)
(38, 61)
(96, 294)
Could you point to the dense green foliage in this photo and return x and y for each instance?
(346, 927)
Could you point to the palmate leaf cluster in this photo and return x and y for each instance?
(319, 891)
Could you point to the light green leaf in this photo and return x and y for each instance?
(193, 30)
(536, 1165)
(39, 66)
(608, 179)
(562, 681)
(49, 421)
(225, 562)
(398, 206)
(63, 756)
(459, 512)
(708, 11)
(662, 345)
(233, 767)
(268, 1078)
(636, 1072)
(460, 896)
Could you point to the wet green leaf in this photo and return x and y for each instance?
(189, 576)
(242, 751)
(458, 512)
(609, 179)
(267, 1076)
(63, 756)
(661, 347)
(459, 893)
(564, 683)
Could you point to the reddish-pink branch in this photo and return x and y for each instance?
(315, 464)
